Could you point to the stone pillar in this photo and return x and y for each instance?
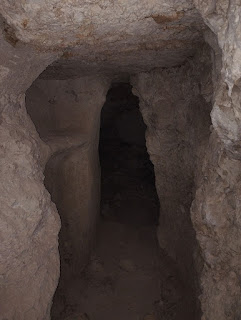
(67, 114)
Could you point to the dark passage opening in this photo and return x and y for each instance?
(128, 276)
(120, 271)
(128, 193)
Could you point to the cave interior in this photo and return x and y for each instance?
(120, 160)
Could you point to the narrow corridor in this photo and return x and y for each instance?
(128, 277)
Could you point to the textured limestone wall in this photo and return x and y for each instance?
(29, 224)
(59, 107)
(216, 209)
(29, 221)
(176, 104)
(67, 115)
(216, 218)
(223, 19)
(126, 36)
(107, 36)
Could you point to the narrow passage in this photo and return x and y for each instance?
(128, 277)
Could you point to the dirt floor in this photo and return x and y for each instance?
(128, 277)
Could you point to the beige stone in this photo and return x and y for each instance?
(175, 105)
(86, 45)
(66, 115)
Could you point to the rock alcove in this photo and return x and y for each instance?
(169, 69)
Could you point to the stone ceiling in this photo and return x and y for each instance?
(106, 35)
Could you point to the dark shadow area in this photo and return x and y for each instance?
(128, 193)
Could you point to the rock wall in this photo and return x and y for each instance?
(176, 104)
(216, 209)
(67, 115)
(223, 19)
(29, 223)
(216, 218)
(108, 36)
(27, 277)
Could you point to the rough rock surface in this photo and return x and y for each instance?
(29, 221)
(66, 115)
(106, 35)
(216, 209)
(29, 259)
(19, 64)
(116, 37)
(175, 104)
(223, 18)
(89, 20)
(216, 218)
